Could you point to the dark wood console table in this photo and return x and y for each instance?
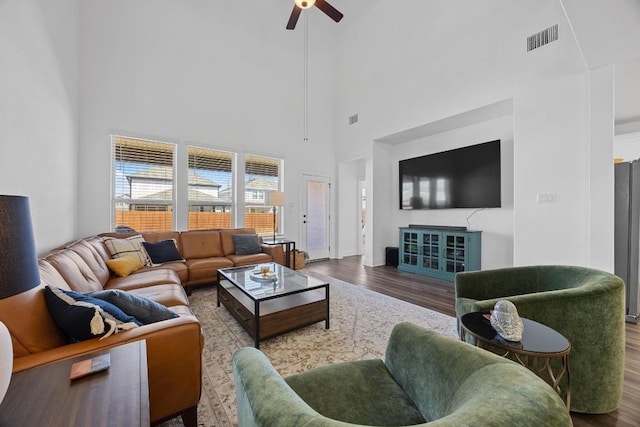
(45, 396)
(289, 247)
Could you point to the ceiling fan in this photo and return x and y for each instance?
(329, 10)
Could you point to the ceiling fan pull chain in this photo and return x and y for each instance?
(305, 126)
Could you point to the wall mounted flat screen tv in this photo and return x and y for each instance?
(467, 177)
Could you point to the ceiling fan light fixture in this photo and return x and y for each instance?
(304, 4)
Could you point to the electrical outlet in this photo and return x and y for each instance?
(546, 198)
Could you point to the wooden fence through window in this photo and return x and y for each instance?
(262, 222)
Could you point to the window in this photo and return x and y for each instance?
(210, 188)
(143, 184)
(262, 175)
(145, 188)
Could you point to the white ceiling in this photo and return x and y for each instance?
(608, 32)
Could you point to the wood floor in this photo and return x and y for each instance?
(439, 296)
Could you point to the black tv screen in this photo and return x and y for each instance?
(467, 177)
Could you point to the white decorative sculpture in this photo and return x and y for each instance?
(6, 360)
(506, 321)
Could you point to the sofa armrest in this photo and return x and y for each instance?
(276, 252)
(174, 361)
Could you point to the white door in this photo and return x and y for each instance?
(315, 216)
(362, 209)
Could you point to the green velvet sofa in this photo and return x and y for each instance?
(426, 380)
(583, 304)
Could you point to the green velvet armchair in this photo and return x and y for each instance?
(426, 380)
(583, 304)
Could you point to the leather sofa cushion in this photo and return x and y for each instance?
(207, 268)
(249, 259)
(92, 258)
(167, 295)
(75, 271)
(143, 278)
(201, 244)
(179, 267)
(182, 310)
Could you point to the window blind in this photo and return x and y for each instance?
(143, 184)
(262, 175)
(210, 188)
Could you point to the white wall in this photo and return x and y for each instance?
(627, 146)
(601, 141)
(496, 224)
(209, 73)
(224, 75)
(399, 71)
(39, 112)
(350, 173)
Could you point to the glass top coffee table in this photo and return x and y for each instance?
(539, 345)
(275, 303)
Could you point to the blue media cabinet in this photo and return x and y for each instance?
(439, 252)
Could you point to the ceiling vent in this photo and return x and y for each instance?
(353, 119)
(545, 36)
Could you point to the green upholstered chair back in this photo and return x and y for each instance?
(583, 304)
(451, 384)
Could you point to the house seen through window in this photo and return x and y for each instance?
(143, 184)
(144, 187)
(262, 175)
(210, 188)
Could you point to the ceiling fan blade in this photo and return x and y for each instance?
(331, 11)
(293, 19)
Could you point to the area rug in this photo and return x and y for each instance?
(360, 323)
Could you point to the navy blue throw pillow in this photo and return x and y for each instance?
(162, 251)
(143, 309)
(82, 317)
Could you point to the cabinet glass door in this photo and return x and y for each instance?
(454, 254)
(431, 251)
(410, 248)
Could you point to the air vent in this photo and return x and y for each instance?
(545, 36)
(353, 119)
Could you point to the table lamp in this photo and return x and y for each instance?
(275, 198)
(18, 268)
(18, 260)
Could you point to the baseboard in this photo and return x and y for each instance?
(347, 253)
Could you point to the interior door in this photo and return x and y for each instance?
(362, 204)
(315, 216)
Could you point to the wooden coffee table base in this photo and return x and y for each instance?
(266, 319)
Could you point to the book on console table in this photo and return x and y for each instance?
(90, 366)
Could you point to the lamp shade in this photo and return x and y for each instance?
(18, 260)
(275, 198)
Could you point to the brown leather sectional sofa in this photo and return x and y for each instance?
(174, 346)
(205, 251)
